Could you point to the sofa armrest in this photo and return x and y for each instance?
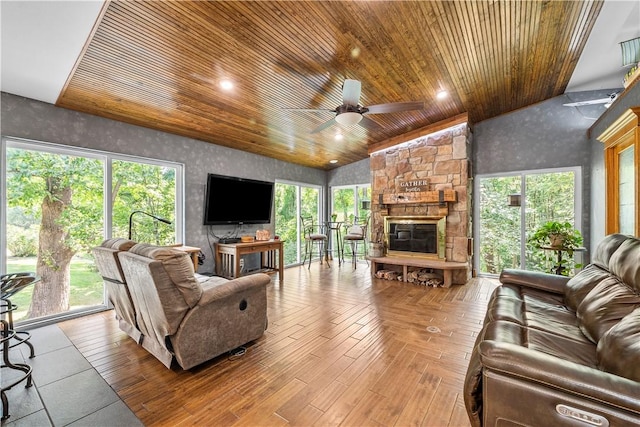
(570, 378)
(229, 314)
(217, 288)
(535, 279)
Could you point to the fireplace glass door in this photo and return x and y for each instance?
(415, 236)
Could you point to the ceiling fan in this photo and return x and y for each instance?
(351, 112)
(606, 101)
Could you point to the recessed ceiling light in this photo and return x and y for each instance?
(442, 94)
(339, 137)
(226, 84)
(333, 162)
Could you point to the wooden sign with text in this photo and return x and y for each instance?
(412, 186)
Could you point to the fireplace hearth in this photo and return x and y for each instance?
(416, 236)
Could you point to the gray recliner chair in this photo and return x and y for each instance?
(108, 264)
(189, 321)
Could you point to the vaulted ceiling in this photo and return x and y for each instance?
(159, 65)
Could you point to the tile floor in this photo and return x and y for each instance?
(67, 391)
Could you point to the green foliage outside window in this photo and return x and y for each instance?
(287, 218)
(547, 197)
(55, 215)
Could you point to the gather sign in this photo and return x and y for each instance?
(412, 186)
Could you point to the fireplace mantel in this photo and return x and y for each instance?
(436, 196)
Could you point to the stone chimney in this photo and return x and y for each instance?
(442, 160)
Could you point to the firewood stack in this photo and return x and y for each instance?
(388, 275)
(425, 277)
(422, 277)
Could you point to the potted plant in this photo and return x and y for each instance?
(556, 235)
(561, 238)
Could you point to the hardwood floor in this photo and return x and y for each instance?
(341, 349)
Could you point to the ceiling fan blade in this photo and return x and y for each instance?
(369, 124)
(395, 107)
(590, 102)
(351, 92)
(312, 110)
(324, 125)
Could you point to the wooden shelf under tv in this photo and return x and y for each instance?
(271, 257)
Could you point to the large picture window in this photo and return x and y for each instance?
(59, 202)
(511, 207)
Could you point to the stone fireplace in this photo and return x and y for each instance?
(418, 236)
(421, 190)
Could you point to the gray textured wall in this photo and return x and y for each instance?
(352, 174)
(355, 173)
(541, 136)
(26, 118)
(630, 98)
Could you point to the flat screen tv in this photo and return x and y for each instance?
(231, 200)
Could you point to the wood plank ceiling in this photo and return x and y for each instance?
(158, 65)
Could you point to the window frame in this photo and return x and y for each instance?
(577, 208)
(622, 134)
(356, 202)
(321, 202)
(107, 158)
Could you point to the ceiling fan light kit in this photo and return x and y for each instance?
(351, 112)
(348, 118)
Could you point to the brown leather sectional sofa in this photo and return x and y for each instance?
(556, 351)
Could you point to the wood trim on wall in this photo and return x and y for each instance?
(622, 134)
(410, 136)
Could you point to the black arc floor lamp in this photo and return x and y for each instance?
(166, 221)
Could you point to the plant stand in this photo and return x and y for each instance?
(560, 267)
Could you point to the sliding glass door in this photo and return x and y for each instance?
(59, 202)
(291, 201)
(347, 202)
(511, 207)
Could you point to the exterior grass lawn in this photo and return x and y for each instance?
(86, 284)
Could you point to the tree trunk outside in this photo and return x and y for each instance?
(51, 293)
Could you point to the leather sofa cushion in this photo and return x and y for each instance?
(625, 263)
(582, 283)
(534, 309)
(618, 349)
(606, 248)
(179, 268)
(582, 352)
(607, 303)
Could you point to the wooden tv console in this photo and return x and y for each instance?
(271, 257)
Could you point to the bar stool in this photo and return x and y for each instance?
(9, 285)
(313, 235)
(356, 233)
